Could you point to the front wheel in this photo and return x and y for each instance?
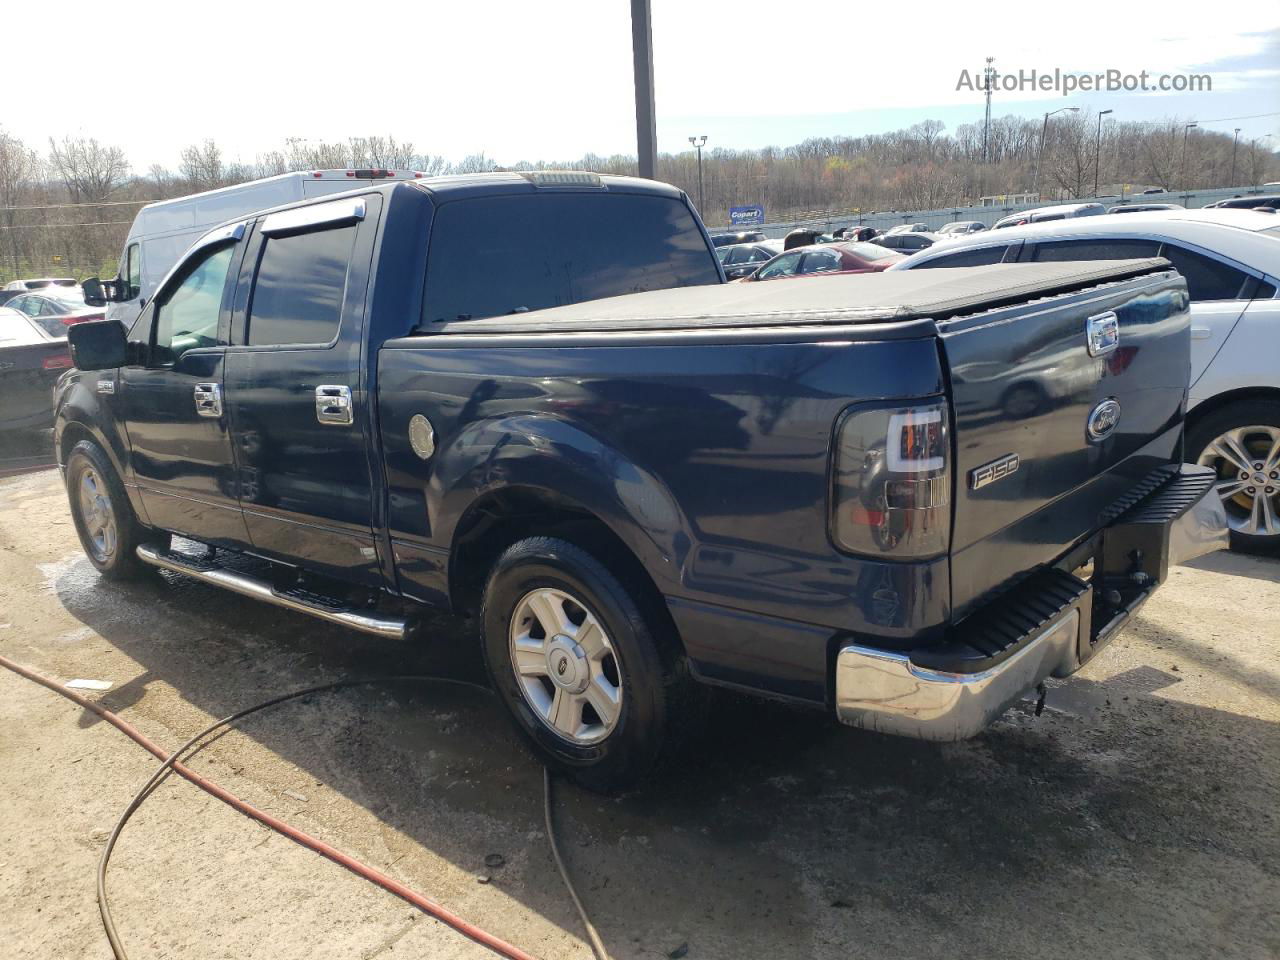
(1241, 443)
(588, 669)
(103, 516)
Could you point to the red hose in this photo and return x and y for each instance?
(430, 907)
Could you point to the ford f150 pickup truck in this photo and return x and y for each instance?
(532, 399)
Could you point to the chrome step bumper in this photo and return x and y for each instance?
(887, 691)
(390, 628)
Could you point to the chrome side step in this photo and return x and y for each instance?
(389, 628)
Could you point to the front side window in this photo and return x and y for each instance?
(297, 295)
(495, 256)
(24, 305)
(968, 258)
(824, 261)
(187, 315)
(783, 266)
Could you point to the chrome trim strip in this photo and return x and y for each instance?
(315, 215)
(389, 628)
(883, 690)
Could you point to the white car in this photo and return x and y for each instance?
(1231, 261)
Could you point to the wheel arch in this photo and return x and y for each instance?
(502, 517)
(1221, 401)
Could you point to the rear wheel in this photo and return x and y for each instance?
(589, 671)
(1241, 442)
(103, 516)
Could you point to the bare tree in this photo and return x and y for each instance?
(201, 165)
(91, 170)
(19, 167)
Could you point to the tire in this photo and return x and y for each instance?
(1252, 427)
(109, 531)
(541, 579)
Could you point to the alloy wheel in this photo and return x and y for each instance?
(1247, 461)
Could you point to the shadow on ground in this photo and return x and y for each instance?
(1127, 825)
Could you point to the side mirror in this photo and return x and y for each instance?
(94, 296)
(98, 345)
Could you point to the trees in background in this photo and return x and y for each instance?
(70, 208)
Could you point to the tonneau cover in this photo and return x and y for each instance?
(896, 295)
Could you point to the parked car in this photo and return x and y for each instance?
(906, 228)
(1259, 203)
(1143, 207)
(908, 243)
(161, 232)
(732, 239)
(31, 359)
(1231, 260)
(40, 283)
(826, 258)
(709, 486)
(55, 308)
(1061, 211)
(1153, 190)
(741, 259)
(962, 227)
(855, 233)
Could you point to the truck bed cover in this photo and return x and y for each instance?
(892, 296)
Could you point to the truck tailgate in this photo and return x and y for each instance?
(1052, 432)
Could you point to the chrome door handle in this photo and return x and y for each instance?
(208, 399)
(333, 405)
(1201, 333)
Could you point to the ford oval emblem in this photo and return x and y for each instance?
(1103, 419)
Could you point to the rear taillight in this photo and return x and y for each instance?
(891, 495)
(82, 318)
(59, 361)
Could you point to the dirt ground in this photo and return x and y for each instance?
(1137, 818)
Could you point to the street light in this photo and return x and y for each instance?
(1097, 154)
(699, 143)
(1043, 130)
(1235, 141)
(1183, 175)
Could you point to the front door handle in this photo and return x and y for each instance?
(333, 405)
(208, 399)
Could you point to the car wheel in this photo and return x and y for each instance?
(588, 668)
(1241, 443)
(103, 516)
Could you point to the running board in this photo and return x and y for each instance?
(389, 628)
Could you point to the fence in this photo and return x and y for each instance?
(882, 220)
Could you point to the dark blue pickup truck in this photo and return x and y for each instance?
(906, 499)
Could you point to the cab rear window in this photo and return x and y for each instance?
(494, 256)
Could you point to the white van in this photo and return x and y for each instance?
(162, 231)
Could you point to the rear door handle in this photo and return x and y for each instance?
(208, 399)
(1201, 333)
(333, 405)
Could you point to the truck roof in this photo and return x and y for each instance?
(839, 299)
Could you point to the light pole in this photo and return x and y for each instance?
(1235, 142)
(642, 57)
(698, 144)
(1183, 175)
(1097, 154)
(1035, 181)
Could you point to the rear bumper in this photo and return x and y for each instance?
(894, 692)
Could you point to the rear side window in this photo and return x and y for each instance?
(1099, 248)
(494, 256)
(1207, 279)
(822, 261)
(968, 258)
(297, 295)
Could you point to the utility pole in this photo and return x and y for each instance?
(1097, 154)
(646, 115)
(1235, 142)
(1183, 175)
(698, 144)
(1044, 128)
(988, 81)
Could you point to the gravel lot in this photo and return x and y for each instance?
(1136, 818)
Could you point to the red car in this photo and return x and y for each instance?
(826, 258)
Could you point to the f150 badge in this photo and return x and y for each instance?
(989, 473)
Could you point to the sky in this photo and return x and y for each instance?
(553, 81)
